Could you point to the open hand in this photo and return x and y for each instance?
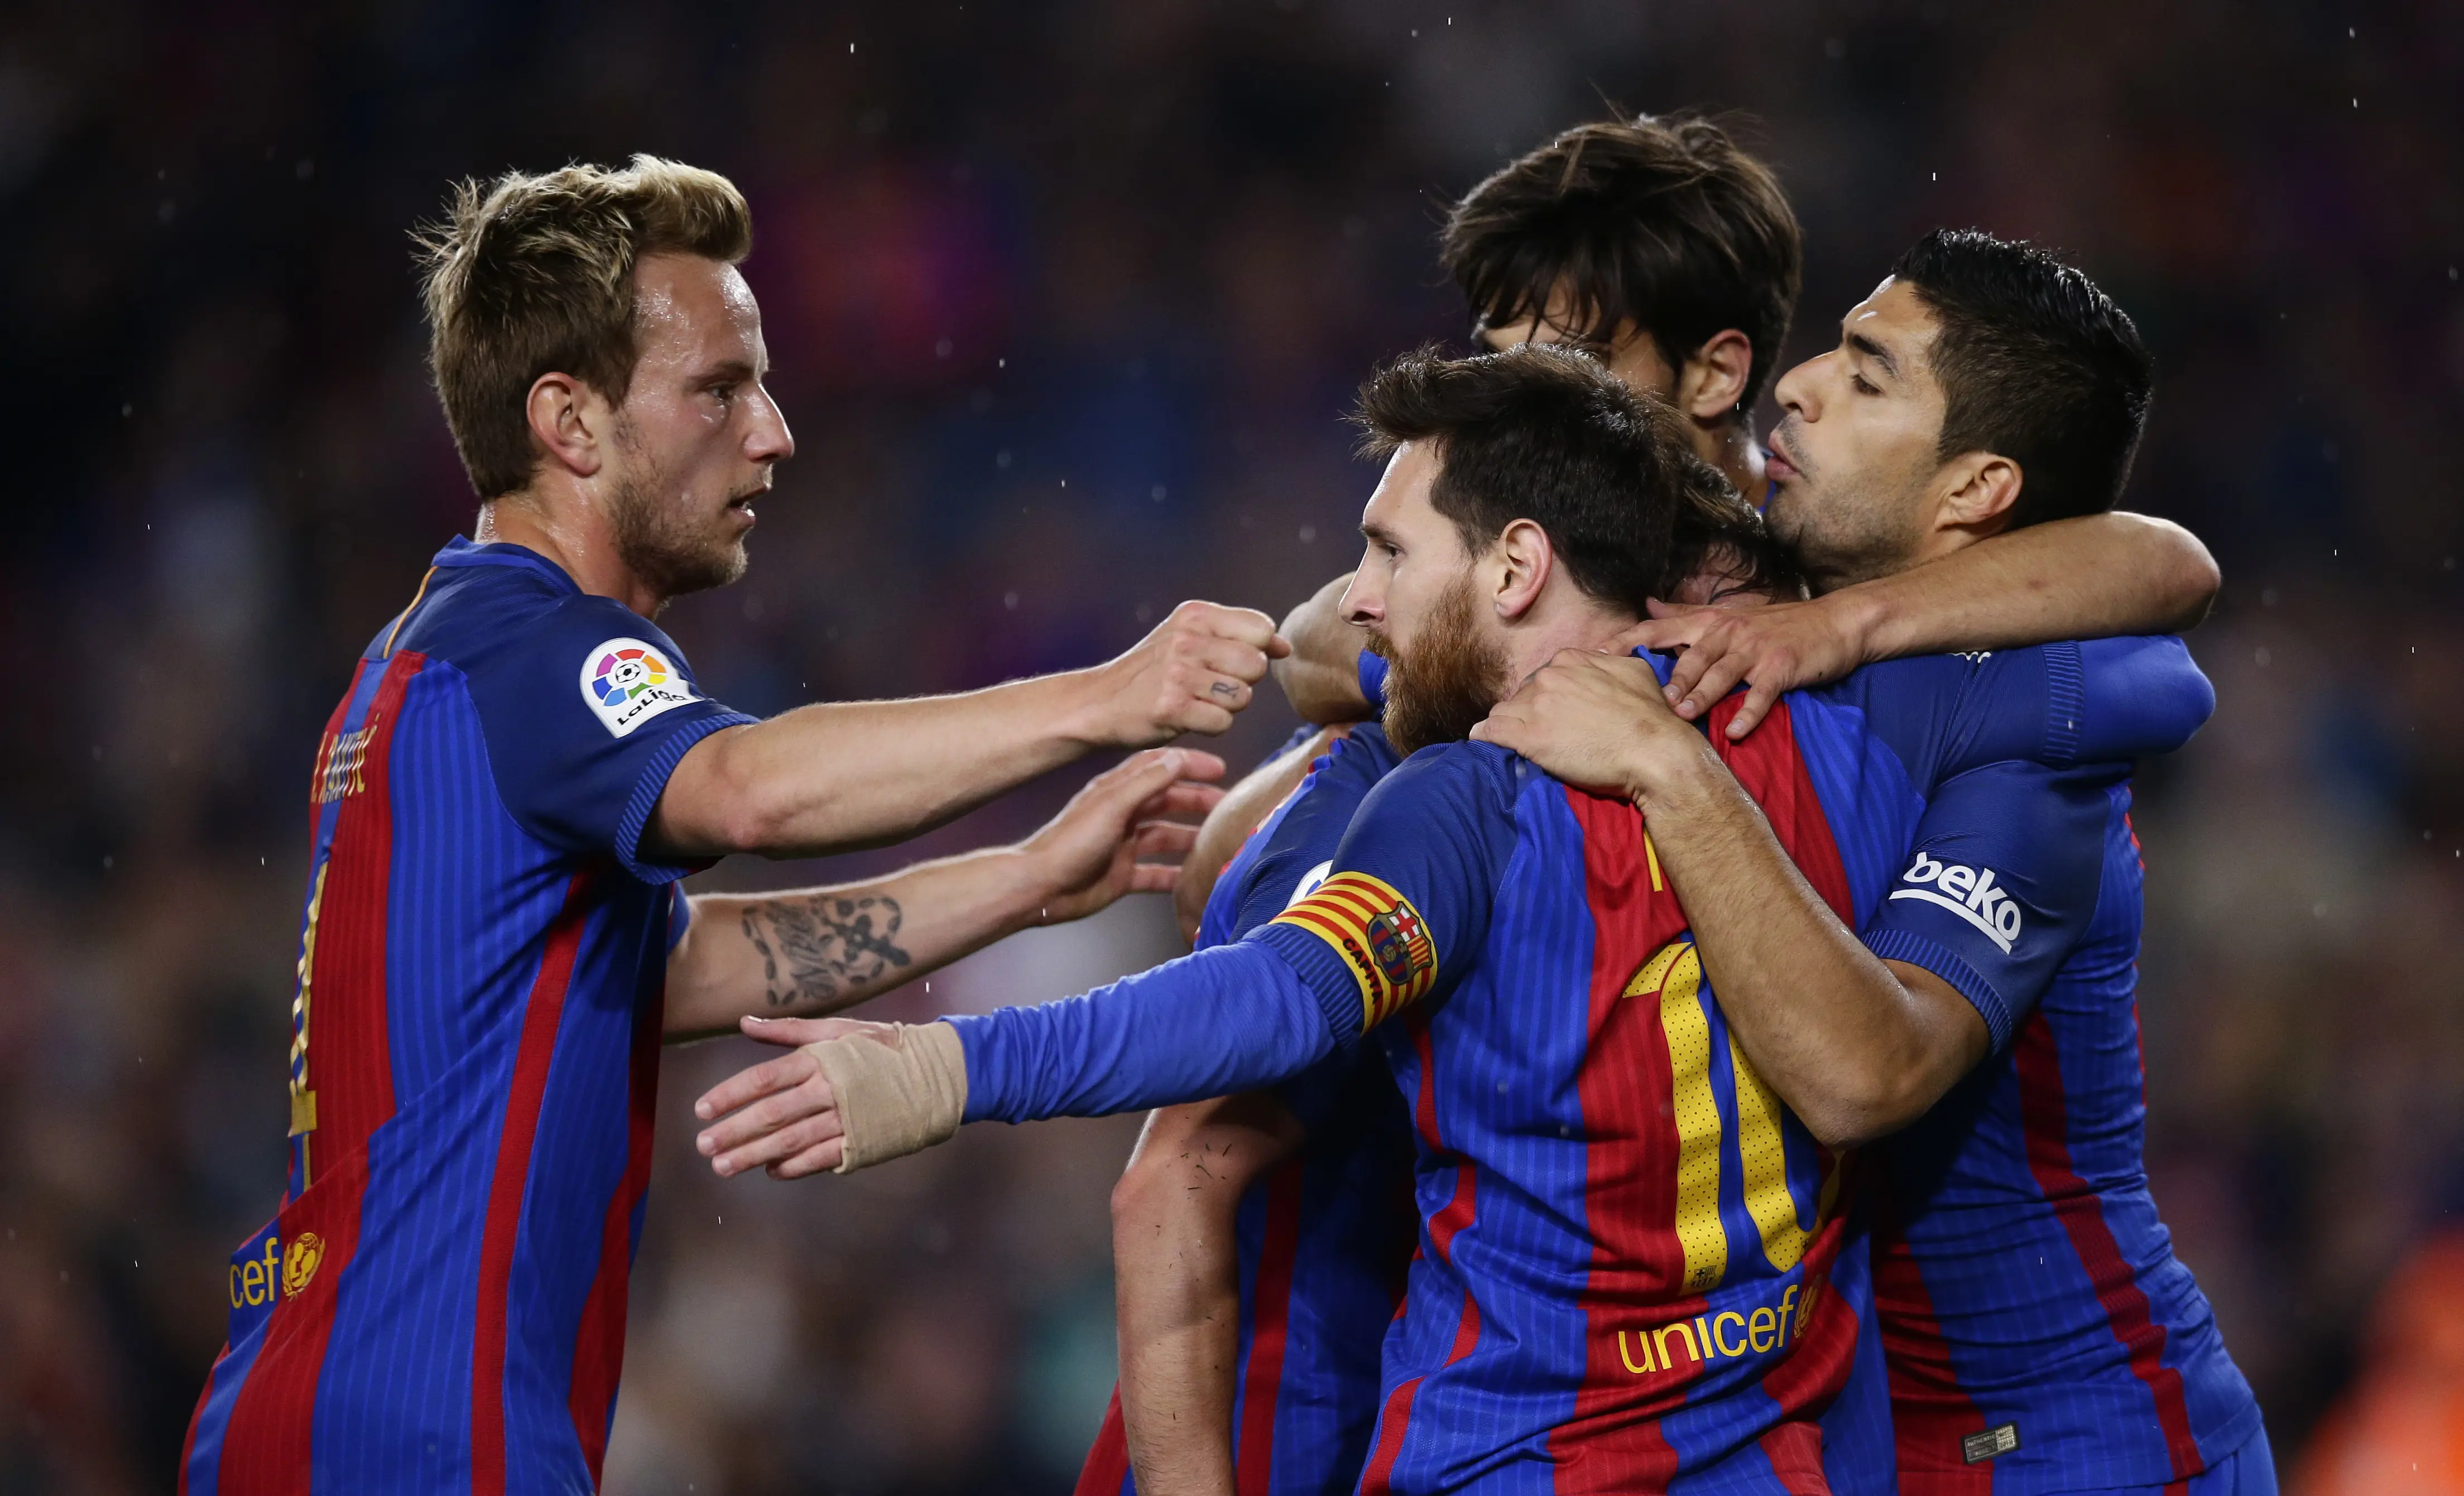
(1191, 674)
(1598, 722)
(779, 1114)
(1093, 851)
(1774, 647)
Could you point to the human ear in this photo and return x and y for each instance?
(1522, 558)
(1976, 492)
(1715, 376)
(568, 418)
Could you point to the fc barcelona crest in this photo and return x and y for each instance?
(1399, 945)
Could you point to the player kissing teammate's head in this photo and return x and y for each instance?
(600, 360)
(1532, 502)
(1985, 385)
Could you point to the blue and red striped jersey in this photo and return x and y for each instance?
(2039, 1332)
(1324, 1238)
(439, 1304)
(1626, 1270)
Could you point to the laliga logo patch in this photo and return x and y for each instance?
(1969, 892)
(628, 683)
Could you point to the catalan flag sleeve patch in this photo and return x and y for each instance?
(1382, 940)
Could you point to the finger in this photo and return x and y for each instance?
(1197, 763)
(1233, 695)
(1672, 610)
(1716, 682)
(1154, 877)
(1165, 838)
(1758, 702)
(749, 1085)
(764, 1116)
(779, 1145)
(1204, 717)
(1279, 648)
(1689, 668)
(1245, 625)
(794, 1031)
(1230, 657)
(820, 1159)
(1183, 800)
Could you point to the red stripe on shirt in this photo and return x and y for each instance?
(2044, 1113)
(1269, 1319)
(599, 1350)
(1394, 1421)
(268, 1444)
(1613, 1440)
(1107, 1470)
(541, 1014)
(1930, 1412)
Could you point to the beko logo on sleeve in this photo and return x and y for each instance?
(627, 682)
(1969, 892)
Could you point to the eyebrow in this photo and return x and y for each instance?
(1378, 532)
(729, 371)
(1876, 352)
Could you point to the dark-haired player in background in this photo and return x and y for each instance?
(2040, 1335)
(1672, 254)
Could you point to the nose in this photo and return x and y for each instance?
(1795, 391)
(769, 440)
(1363, 602)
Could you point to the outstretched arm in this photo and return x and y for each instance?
(838, 776)
(2094, 576)
(1321, 677)
(1178, 1283)
(1230, 1018)
(814, 951)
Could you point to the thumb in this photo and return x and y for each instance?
(1655, 608)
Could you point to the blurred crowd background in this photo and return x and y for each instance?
(1067, 300)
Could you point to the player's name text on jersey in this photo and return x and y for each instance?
(1720, 1336)
(1969, 892)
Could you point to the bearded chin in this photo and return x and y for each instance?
(658, 541)
(1440, 688)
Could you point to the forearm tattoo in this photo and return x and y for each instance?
(816, 949)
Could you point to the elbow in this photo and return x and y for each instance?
(1855, 1109)
(2194, 581)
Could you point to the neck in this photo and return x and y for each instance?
(576, 535)
(1575, 623)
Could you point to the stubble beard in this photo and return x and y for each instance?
(1440, 688)
(662, 541)
(1843, 530)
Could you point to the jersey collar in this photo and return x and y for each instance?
(461, 552)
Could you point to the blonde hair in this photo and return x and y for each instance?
(533, 274)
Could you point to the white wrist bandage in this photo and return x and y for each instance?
(894, 1101)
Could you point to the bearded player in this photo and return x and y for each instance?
(1671, 255)
(1582, 1302)
(494, 940)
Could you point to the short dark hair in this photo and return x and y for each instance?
(2036, 363)
(1545, 433)
(1663, 223)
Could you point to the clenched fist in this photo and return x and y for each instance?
(1198, 668)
